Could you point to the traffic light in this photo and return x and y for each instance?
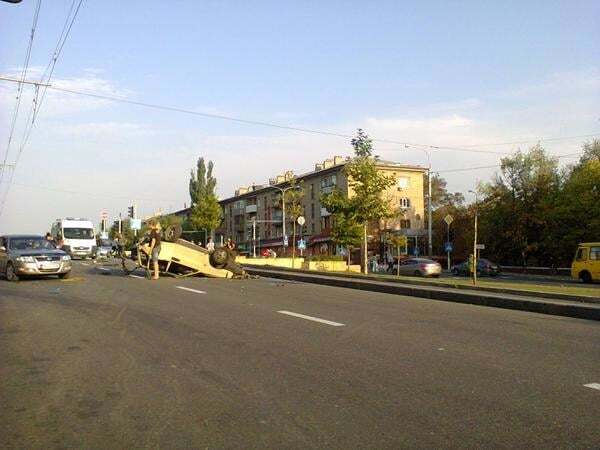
(131, 212)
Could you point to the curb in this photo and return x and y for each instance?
(521, 303)
(545, 295)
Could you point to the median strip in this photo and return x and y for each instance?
(314, 319)
(190, 290)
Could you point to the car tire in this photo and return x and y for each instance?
(455, 272)
(64, 276)
(418, 274)
(11, 275)
(585, 277)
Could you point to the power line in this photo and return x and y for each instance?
(35, 107)
(256, 122)
(495, 166)
(36, 14)
(563, 138)
(463, 148)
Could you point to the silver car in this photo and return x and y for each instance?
(420, 267)
(22, 255)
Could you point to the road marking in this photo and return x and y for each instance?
(314, 319)
(191, 290)
(104, 268)
(593, 386)
(85, 264)
(135, 276)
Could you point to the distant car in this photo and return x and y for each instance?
(420, 267)
(22, 255)
(484, 268)
(105, 248)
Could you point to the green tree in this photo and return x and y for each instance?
(345, 231)
(366, 185)
(518, 206)
(206, 213)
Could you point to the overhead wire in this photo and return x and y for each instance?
(495, 166)
(36, 14)
(35, 107)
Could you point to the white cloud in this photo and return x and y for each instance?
(139, 159)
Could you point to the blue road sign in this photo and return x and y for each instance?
(301, 244)
(448, 247)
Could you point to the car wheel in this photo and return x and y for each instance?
(585, 277)
(65, 275)
(11, 275)
(417, 273)
(455, 272)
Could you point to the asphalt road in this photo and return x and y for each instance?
(108, 361)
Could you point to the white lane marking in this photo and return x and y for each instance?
(135, 276)
(191, 290)
(85, 264)
(593, 386)
(104, 268)
(314, 319)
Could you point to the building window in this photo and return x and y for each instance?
(403, 182)
(329, 181)
(311, 187)
(405, 202)
(312, 210)
(312, 228)
(404, 223)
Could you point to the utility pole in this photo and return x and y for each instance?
(429, 233)
(254, 237)
(474, 268)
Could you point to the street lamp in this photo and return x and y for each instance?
(474, 268)
(283, 191)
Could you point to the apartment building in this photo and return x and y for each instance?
(257, 211)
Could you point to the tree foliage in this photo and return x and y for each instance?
(366, 185)
(206, 213)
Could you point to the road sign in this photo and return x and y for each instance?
(135, 224)
(285, 241)
(104, 215)
(480, 246)
(448, 219)
(301, 220)
(448, 247)
(301, 244)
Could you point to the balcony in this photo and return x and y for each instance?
(251, 209)
(324, 212)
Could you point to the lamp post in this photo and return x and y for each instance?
(474, 268)
(283, 191)
(429, 232)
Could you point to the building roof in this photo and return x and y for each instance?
(379, 162)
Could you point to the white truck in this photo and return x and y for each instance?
(76, 236)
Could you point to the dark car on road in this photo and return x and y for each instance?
(484, 268)
(23, 255)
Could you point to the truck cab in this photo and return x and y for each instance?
(586, 264)
(75, 236)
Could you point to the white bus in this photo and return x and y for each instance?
(77, 236)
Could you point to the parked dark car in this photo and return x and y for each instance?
(484, 268)
(22, 255)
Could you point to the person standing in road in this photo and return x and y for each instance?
(210, 245)
(155, 239)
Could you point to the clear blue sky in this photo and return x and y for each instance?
(402, 70)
